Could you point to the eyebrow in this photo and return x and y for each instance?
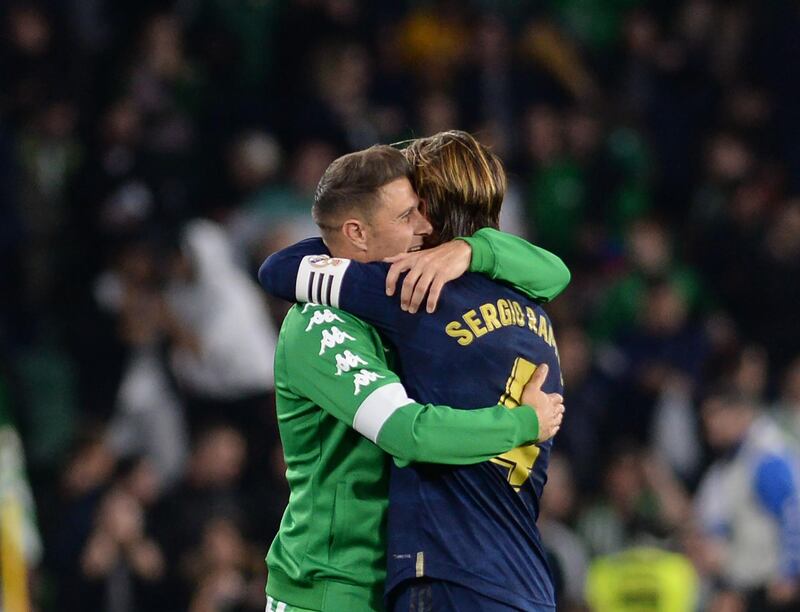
(410, 209)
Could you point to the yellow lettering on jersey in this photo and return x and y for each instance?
(520, 318)
(454, 330)
(531, 318)
(489, 314)
(505, 312)
(520, 460)
(474, 323)
(520, 374)
(542, 328)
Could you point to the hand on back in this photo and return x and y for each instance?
(549, 407)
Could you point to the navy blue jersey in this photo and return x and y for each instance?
(474, 525)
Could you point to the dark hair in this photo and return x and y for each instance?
(461, 181)
(351, 184)
(727, 395)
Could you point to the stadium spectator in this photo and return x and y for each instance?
(121, 567)
(748, 506)
(787, 407)
(641, 503)
(569, 557)
(226, 372)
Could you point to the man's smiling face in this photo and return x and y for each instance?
(396, 224)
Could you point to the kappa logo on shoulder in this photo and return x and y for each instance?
(333, 337)
(364, 378)
(347, 361)
(323, 261)
(323, 316)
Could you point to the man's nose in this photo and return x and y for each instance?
(424, 227)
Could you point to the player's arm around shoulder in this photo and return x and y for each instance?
(532, 270)
(339, 363)
(440, 434)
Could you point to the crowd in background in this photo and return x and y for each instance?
(152, 153)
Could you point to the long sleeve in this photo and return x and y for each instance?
(304, 272)
(529, 269)
(438, 434)
(339, 363)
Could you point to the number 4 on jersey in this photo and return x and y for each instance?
(520, 460)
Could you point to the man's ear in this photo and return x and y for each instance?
(355, 232)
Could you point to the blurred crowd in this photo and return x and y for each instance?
(152, 153)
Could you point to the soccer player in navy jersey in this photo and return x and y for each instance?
(460, 538)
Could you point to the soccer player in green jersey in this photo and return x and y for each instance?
(341, 408)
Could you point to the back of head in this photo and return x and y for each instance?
(350, 185)
(461, 181)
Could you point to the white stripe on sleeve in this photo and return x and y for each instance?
(319, 279)
(378, 407)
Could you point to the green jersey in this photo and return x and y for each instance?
(341, 409)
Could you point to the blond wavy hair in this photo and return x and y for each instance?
(460, 180)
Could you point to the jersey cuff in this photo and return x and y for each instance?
(319, 279)
(376, 409)
(482, 260)
(529, 423)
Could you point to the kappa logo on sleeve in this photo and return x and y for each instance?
(323, 316)
(347, 361)
(333, 337)
(364, 378)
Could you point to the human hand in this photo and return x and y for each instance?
(147, 559)
(99, 556)
(122, 518)
(782, 592)
(727, 601)
(549, 407)
(428, 272)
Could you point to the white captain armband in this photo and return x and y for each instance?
(319, 279)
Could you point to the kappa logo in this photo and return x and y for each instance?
(333, 337)
(347, 361)
(364, 378)
(323, 316)
(323, 261)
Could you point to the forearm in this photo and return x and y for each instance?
(278, 274)
(532, 270)
(439, 434)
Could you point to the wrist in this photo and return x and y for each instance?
(481, 255)
(529, 432)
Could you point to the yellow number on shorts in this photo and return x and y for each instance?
(520, 460)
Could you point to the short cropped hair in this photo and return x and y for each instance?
(462, 182)
(351, 183)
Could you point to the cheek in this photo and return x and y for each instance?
(400, 233)
(408, 233)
